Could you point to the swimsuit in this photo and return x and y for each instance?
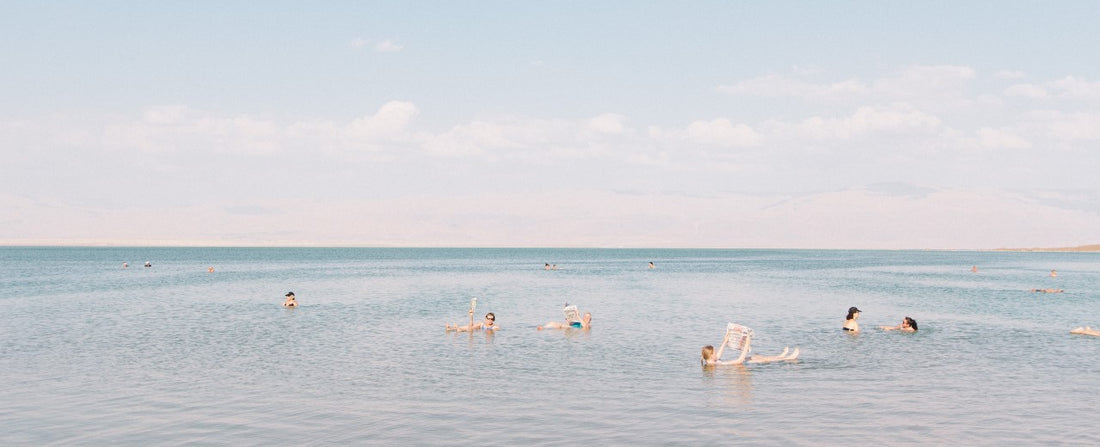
(849, 329)
(577, 324)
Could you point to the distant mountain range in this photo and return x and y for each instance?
(1094, 247)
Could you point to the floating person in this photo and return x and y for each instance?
(572, 320)
(1053, 274)
(974, 269)
(125, 265)
(148, 264)
(907, 325)
(850, 323)
(554, 267)
(490, 324)
(1047, 290)
(290, 300)
(546, 266)
(1086, 330)
(744, 344)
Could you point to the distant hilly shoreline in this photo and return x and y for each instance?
(1083, 248)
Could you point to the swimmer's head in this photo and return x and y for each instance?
(708, 353)
(491, 317)
(290, 294)
(910, 323)
(852, 311)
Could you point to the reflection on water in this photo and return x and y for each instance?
(734, 382)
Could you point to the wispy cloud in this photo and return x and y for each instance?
(387, 46)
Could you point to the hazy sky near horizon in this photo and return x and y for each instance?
(851, 124)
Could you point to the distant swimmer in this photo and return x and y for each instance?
(148, 264)
(850, 323)
(652, 266)
(554, 267)
(1085, 331)
(1047, 290)
(546, 266)
(290, 300)
(211, 269)
(1053, 274)
(490, 324)
(125, 265)
(711, 358)
(907, 325)
(974, 269)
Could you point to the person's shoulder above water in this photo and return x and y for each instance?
(850, 323)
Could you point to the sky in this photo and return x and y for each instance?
(724, 124)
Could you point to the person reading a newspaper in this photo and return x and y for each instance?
(712, 358)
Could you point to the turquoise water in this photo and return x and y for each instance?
(97, 354)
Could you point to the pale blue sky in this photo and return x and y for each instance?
(733, 124)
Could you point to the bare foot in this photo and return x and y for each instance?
(794, 354)
(538, 328)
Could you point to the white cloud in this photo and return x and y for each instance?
(932, 83)
(387, 46)
(773, 85)
(173, 114)
(1069, 87)
(1070, 127)
(1002, 138)
(608, 123)
(870, 120)
(1026, 91)
(390, 122)
(513, 138)
(1075, 88)
(721, 132)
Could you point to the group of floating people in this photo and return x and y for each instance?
(851, 324)
(126, 265)
(741, 341)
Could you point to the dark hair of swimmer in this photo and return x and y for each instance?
(912, 323)
(852, 311)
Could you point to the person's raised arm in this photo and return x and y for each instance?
(721, 348)
(744, 352)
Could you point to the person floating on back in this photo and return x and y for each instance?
(907, 325)
(1085, 331)
(711, 358)
(572, 320)
(490, 324)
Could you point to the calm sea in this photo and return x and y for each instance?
(94, 354)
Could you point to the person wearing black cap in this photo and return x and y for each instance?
(850, 323)
(290, 302)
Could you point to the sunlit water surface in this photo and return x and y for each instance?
(96, 354)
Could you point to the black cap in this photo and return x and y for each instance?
(851, 310)
(292, 294)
